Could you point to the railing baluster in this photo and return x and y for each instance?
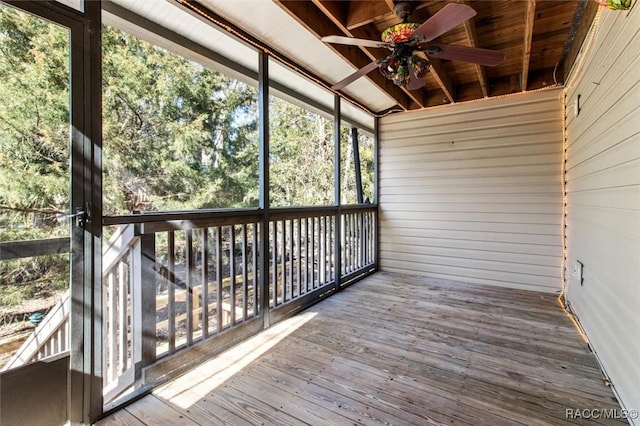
(274, 261)
(345, 250)
(204, 303)
(326, 220)
(367, 236)
(290, 258)
(354, 242)
(329, 248)
(299, 257)
(321, 253)
(245, 276)
(283, 261)
(219, 278)
(171, 291)
(313, 252)
(232, 273)
(254, 257)
(189, 284)
(306, 254)
(374, 237)
(112, 335)
(122, 317)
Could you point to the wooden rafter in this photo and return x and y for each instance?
(364, 12)
(320, 25)
(440, 75)
(531, 63)
(389, 4)
(528, 36)
(334, 11)
(472, 36)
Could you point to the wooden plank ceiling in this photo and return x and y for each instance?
(540, 38)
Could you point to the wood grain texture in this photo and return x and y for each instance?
(400, 349)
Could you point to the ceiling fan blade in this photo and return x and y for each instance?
(474, 55)
(447, 18)
(356, 75)
(415, 82)
(354, 41)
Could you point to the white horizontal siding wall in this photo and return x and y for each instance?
(603, 198)
(472, 192)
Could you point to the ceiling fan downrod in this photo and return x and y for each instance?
(404, 8)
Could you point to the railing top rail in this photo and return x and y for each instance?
(29, 248)
(199, 223)
(283, 213)
(358, 207)
(181, 220)
(186, 215)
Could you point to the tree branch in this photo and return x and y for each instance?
(30, 210)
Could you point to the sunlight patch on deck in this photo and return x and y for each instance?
(192, 386)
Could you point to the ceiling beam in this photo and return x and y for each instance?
(389, 4)
(334, 11)
(530, 16)
(472, 36)
(320, 25)
(365, 12)
(441, 76)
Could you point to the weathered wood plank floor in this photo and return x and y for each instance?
(395, 349)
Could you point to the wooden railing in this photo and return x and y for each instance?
(121, 283)
(190, 277)
(302, 260)
(358, 240)
(173, 280)
(206, 277)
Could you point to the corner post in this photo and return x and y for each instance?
(263, 113)
(337, 248)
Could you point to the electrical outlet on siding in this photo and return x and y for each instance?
(576, 272)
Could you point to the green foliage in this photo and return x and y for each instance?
(365, 148)
(177, 135)
(34, 148)
(34, 123)
(301, 156)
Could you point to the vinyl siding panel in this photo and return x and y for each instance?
(472, 192)
(603, 198)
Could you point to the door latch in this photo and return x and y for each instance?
(82, 215)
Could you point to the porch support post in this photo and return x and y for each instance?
(93, 175)
(263, 114)
(85, 319)
(337, 249)
(147, 301)
(376, 188)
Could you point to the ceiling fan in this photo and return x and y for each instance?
(405, 65)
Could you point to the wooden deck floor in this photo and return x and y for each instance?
(395, 349)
